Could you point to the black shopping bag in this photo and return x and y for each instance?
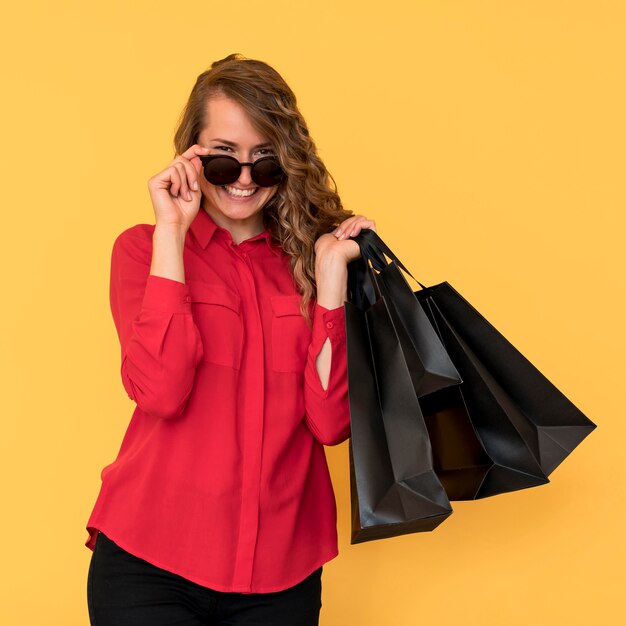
(526, 425)
(506, 426)
(431, 369)
(394, 488)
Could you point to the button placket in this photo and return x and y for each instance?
(252, 427)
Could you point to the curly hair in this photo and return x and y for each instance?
(305, 206)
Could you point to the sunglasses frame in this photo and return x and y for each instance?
(209, 157)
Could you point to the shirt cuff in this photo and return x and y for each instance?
(331, 321)
(167, 295)
(327, 323)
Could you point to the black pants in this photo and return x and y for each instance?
(124, 590)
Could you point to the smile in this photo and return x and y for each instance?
(240, 193)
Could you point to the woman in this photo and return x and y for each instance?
(219, 507)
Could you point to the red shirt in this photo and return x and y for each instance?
(221, 476)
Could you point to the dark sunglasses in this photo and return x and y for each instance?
(224, 170)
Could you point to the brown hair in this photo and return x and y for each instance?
(304, 206)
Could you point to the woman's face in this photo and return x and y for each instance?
(230, 132)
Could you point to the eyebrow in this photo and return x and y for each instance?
(232, 143)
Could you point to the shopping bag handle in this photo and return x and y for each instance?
(362, 285)
(373, 247)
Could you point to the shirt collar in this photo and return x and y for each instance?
(204, 227)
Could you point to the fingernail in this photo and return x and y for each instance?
(195, 185)
(339, 233)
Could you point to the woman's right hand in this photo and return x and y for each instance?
(172, 192)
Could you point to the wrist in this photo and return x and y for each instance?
(168, 244)
(328, 262)
(331, 276)
(169, 232)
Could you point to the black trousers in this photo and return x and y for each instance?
(124, 590)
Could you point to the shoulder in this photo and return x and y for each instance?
(134, 242)
(136, 234)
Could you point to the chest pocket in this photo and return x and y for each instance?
(216, 311)
(291, 335)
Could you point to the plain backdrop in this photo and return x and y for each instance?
(486, 138)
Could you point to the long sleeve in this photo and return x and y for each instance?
(327, 410)
(160, 343)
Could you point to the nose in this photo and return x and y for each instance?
(245, 178)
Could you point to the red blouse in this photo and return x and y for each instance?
(221, 476)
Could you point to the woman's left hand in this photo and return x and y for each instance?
(338, 242)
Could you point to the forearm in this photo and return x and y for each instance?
(331, 275)
(167, 253)
(160, 344)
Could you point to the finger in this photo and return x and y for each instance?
(190, 172)
(193, 155)
(175, 178)
(344, 226)
(182, 177)
(184, 189)
(352, 226)
(359, 225)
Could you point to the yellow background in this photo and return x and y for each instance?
(487, 140)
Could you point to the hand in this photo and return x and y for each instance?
(174, 199)
(338, 243)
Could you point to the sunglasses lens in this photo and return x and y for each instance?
(266, 172)
(221, 170)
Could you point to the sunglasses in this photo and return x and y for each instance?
(224, 170)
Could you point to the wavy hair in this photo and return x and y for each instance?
(305, 206)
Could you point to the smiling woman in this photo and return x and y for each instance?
(229, 312)
(241, 201)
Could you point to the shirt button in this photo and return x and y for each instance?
(329, 324)
(187, 298)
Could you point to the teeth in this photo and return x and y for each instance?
(239, 192)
